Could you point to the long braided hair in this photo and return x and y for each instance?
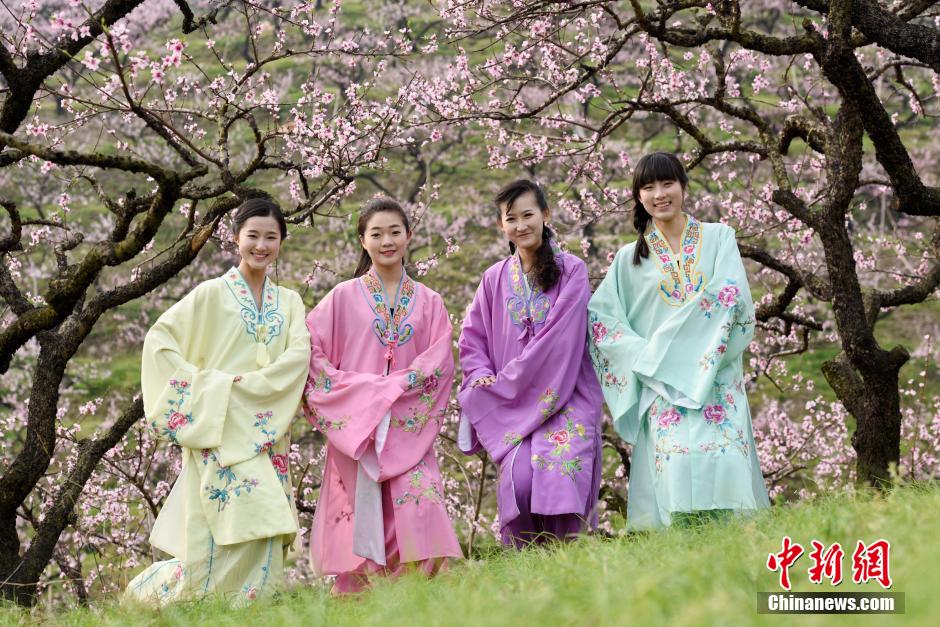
(546, 269)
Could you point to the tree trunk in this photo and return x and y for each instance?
(29, 465)
(872, 398)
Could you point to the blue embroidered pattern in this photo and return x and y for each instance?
(264, 325)
(390, 329)
(527, 307)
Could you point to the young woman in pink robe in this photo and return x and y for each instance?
(381, 370)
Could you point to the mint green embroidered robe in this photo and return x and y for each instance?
(667, 339)
(233, 500)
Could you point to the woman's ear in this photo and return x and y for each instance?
(547, 215)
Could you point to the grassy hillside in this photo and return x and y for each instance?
(696, 576)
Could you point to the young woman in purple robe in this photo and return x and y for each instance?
(529, 394)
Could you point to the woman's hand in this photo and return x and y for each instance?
(484, 381)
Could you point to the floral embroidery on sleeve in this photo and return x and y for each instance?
(324, 423)
(420, 487)
(427, 382)
(512, 438)
(270, 435)
(602, 366)
(420, 416)
(280, 463)
(414, 421)
(174, 417)
(233, 487)
(321, 383)
(728, 297)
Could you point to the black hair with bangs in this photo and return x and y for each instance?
(656, 166)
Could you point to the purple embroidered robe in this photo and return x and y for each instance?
(546, 392)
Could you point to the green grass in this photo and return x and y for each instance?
(700, 576)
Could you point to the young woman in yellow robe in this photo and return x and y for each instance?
(222, 375)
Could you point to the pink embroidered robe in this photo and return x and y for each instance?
(378, 390)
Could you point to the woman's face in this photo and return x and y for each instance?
(662, 199)
(523, 222)
(259, 242)
(385, 239)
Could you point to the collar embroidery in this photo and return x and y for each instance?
(528, 306)
(390, 329)
(264, 325)
(678, 287)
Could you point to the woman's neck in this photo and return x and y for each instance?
(390, 275)
(527, 257)
(672, 229)
(254, 278)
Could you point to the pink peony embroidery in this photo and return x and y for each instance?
(728, 295)
(669, 417)
(561, 436)
(251, 593)
(688, 249)
(714, 414)
(178, 573)
(176, 421)
(280, 463)
(430, 384)
(599, 332)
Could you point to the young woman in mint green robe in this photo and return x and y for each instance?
(667, 338)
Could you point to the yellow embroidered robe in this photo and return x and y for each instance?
(223, 379)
